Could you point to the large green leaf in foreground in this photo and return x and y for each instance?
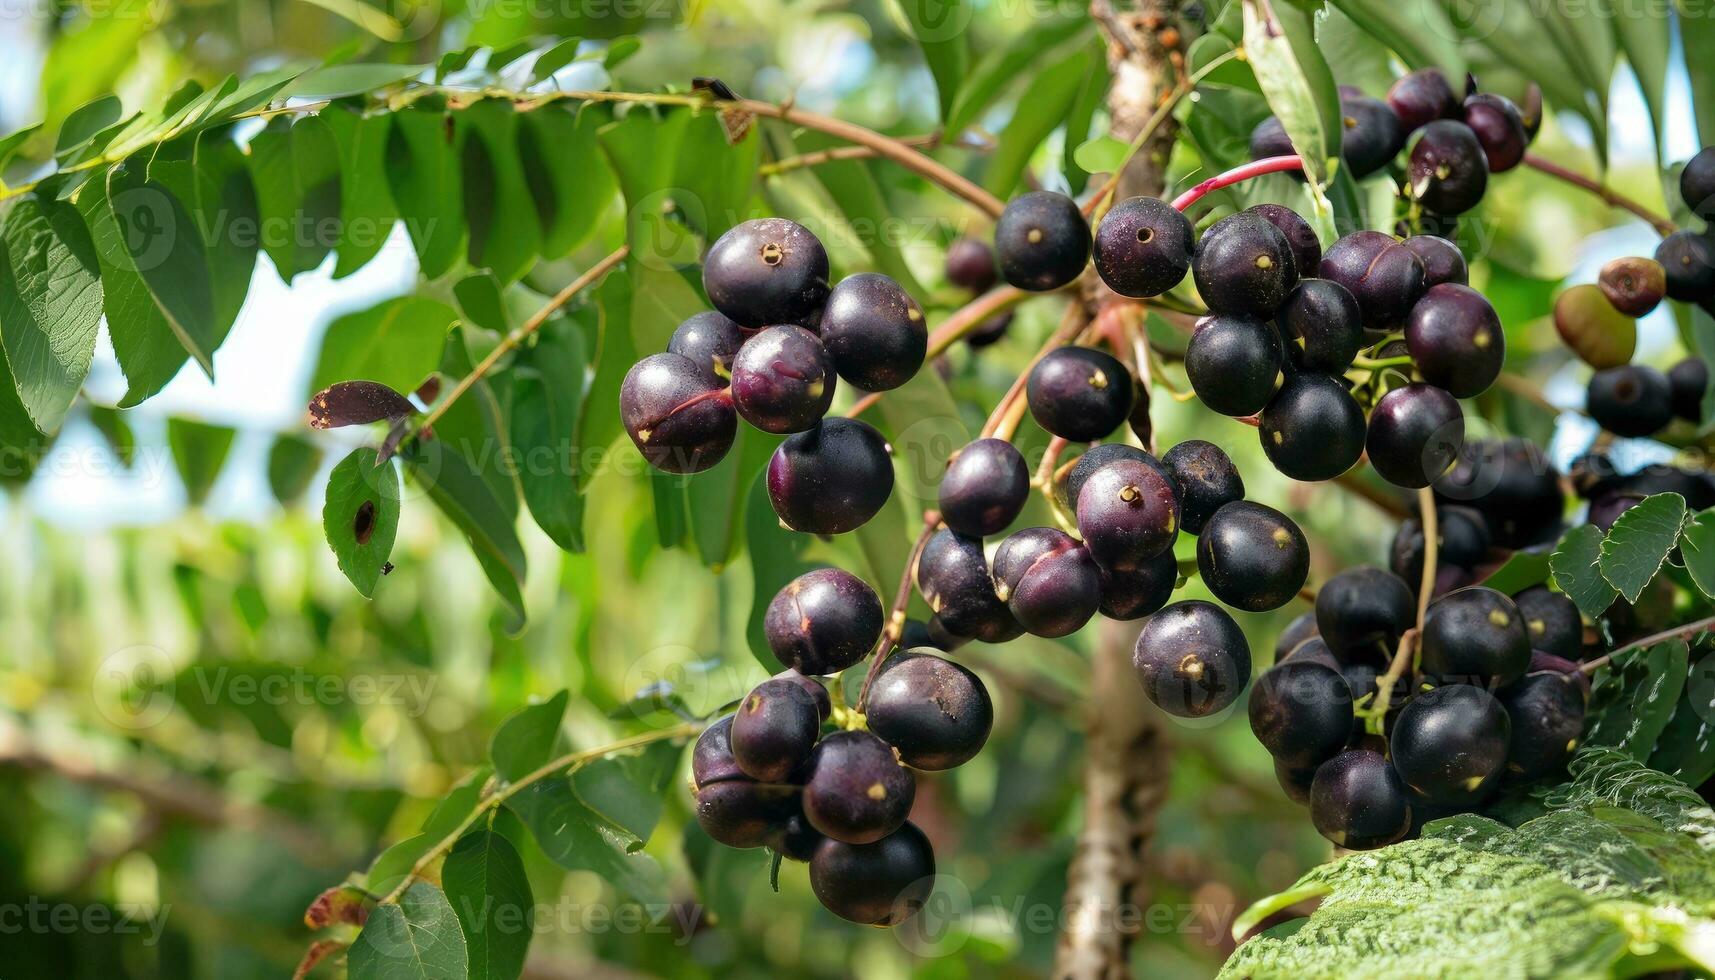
(1615, 878)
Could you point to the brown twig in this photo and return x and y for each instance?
(1612, 198)
(895, 626)
(1689, 629)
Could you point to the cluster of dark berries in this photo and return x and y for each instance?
(777, 773)
(1610, 493)
(1497, 698)
(971, 267)
(770, 353)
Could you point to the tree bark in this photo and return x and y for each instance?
(1126, 765)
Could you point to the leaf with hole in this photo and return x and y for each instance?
(360, 517)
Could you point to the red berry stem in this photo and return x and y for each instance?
(1256, 168)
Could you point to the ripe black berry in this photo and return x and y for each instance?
(1313, 428)
(1362, 612)
(1415, 434)
(878, 884)
(1370, 134)
(1132, 593)
(767, 271)
(1697, 184)
(1301, 628)
(857, 791)
(990, 331)
(1312, 649)
(1546, 713)
(812, 687)
(1552, 622)
(1143, 247)
(795, 839)
(1449, 743)
(1306, 247)
(1048, 580)
(1295, 783)
(1206, 479)
(783, 380)
(1512, 484)
(1321, 325)
(773, 730)
(1474, 636)
(742, 814)
(1079, 393)
(1384, 276)
(1633, 284)
(1689, 380)
(1632, 400)
(1233, 363)
(1456, 340)
(1499, 128)
(1462, 537)
(1043, 241)
(1421, 98)
(1252, 557)
(1442, 260)
(1269, 139)
(1358, 802)
(1099, 456)
(1192, 659)
(711, 758)
(934, 712)
(953, 578)
(679, 420)
(1243, 265)
(711, 341)
(874, 332)
(1128, 512)
(985, 487)
(1301, 712)
(970, 265)
(830, 479)
(823, 621)
(1689, 261)
(1448, 170)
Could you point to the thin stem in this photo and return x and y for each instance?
(1431, 550)
(566, 762)
(523, 331)
(1379, 499)
(1009, 411)
(1689, 629)
(895, 626)
(1613, 198)
(834, 153)
(1377, 364)
(1256, 168)
(1385, 684)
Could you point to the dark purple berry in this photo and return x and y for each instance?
(874, 332)
(1313, 428)
(970, 265)
(796, 840)
(1512, 484)
(812, 687)
(711, 341)
(1295, 783)
(1301, 712)
(985, 488)
(1321, 325)
(990, 331)
(1233, 363)
(1127, 512)
(1421, 98)
(1101, 455)
(1450, 743)
(1442, 260)
(1300, 237)
(1143, 247)
(1499, 128)
(1546, 713)
(1252, 557)
(934, 712)
(1192, 659)
(679, 420)
(1206, 479)
(823, 621)
(857, 791)
(1456, 340)
(953, 578)
(1370, 135)
(1269, 139)
(1689, 380)
(1633, 400)
(1048, 580)
(1043, 241)
(1448, 171)
(1551, 621)
(743, 814)
(832, 478)
(774, 729)
(1689, 260)
(1362, 612)
(1697, 184)
(1384, 276)
(1358, 802)
(1079, 393)
(878, 884)
(1415, 434)
(1301, 628)
(767, 271)
(1243, 265)
(1473, 636)
(783, 380)
(711, 757)
(1132, 593)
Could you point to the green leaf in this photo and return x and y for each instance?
(997, 70)
(855, 191)
(475, 426)
(11, 143)
(1686, 747)
(361, 516)
(1041, 110)
(469, 502)
(1702, 342)
(339, 81)
(397, 342)
(714, 179)
(555, 58)
(716, 498)
(777, 556)
(50, 305)
(416, 939)
(1091, 96)
(486, 885)
(199, 451)
(481, 302)
(1101, 155)
(292, 463)
(450, 813)
(391, 866)
(568, 178)
(366, 206)
(577, 838)
(423, 167)
(1640, 541)
(1576, 571)
(939, 27)
(627, 792)
(1296, 82)
(1417, 30)
(1633, 700)
(1698, 549)
(150, 222)
(1521, 570)
(1697, 34)
(296, 170)
(547, 410)
(80, 127)
(224, 206)
(116, 429)
(526, 741)
(1646, 37)
(505, 233)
